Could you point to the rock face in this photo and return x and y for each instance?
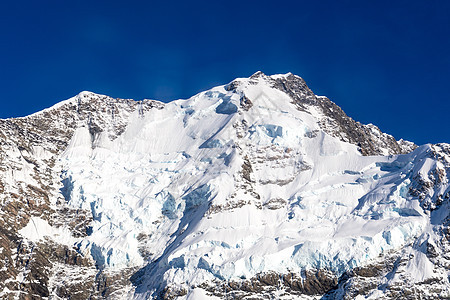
(258, 189)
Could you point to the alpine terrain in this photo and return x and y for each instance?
(258, 189)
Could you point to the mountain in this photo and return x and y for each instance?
(257, 189)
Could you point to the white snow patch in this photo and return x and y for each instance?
(37, 229)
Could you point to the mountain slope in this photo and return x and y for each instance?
(256, 188)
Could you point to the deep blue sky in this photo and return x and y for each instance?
(383, 62)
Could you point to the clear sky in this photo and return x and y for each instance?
(383, 62)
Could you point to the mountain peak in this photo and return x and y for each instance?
(260, 74)
(254, 188)
(257, 74)
(332, 119)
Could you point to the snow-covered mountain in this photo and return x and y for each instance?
(258, 189)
